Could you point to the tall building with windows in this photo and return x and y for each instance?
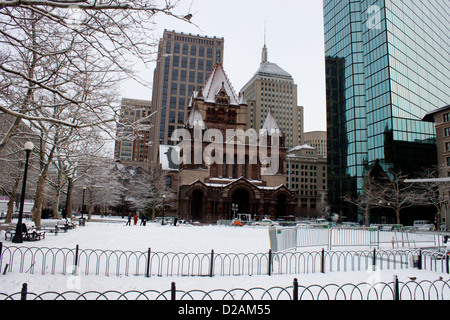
(272, 90)
(441, 119)
(306, 173)
(316, 139)
(184, 63)
(387, 65)
(133, 132)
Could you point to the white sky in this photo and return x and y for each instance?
(295, 42)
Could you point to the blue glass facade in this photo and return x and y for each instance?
(394, 56)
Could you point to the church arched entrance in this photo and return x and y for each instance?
(197, 205)
(281, 205)
(241, 197)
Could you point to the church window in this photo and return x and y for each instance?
(221, 115)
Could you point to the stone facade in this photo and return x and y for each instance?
(215, 178)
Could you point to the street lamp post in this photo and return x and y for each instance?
(69, 181)
(234, 207)
(18, 238)
(82, 203)
(82, 221)
(164, 208)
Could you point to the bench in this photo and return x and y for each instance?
(34, 235)
(67, 225)
(28, 235)
(54, 230)
(10, 233)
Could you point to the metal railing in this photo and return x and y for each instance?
(41, 260)
(288, 238)
(395, 290)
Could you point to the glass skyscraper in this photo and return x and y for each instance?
(387, 65)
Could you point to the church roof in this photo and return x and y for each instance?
(216, 80)
(270, 125)
(195, 118)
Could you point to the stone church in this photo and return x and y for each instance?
(226, 168)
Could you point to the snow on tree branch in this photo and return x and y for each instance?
(62, 61)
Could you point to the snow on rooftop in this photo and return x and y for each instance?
(274, 69)
(214, 84)
(302, 147)
(195, 118)
(270, 125)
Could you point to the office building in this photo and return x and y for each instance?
(306, 173)
(317, 140)
(441, 119)
(272, 90)
(387, 65)
(133, 132)
(184, 63)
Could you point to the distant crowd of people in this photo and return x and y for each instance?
(135, 219)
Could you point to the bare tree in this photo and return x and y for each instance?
(435, 192)
(50, 50)
(147, 190)
(399, 195)
(370, 197)
(12, 161)
(102, 181)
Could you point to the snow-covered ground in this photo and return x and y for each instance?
(113, 234)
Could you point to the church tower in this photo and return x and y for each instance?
(225, 167)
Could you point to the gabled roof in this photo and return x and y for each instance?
(270, 125)
(195, 118)
(214, 84)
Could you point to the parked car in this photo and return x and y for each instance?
(423, 225)
(266, 222)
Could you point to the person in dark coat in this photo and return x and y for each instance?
(143, 220)
(129, 220)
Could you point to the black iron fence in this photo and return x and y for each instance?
(42, 260)
(395, 290)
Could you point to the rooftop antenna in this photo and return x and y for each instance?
(265, 55)
(265, 32)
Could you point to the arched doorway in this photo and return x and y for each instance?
(281, 205)
(197, 205)
(241, 197)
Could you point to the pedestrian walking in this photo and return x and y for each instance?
(135, 218)
(129, 220)
(143, 220)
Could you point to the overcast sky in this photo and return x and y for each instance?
(294, 39)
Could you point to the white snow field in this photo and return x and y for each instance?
(113, 234)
